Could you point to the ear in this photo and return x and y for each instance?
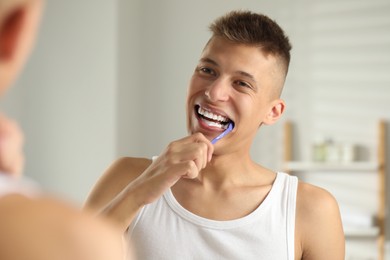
(276, 110)
(10, 30)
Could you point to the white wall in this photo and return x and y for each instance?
(66, 98)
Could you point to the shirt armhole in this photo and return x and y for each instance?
(292, 201)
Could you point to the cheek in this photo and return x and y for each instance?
(195, 85)
(255, 110)
(195, 89)
(191, 91)
(191, 87)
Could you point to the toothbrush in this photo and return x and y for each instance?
(228, 130)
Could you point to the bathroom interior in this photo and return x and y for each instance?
(108, 79)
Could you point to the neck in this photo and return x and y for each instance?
(230, 170)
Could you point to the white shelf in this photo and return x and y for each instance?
(377, 166)
(361, 232)
(330, 166)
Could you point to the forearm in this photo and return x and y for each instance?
(123, 208)
(132, 183)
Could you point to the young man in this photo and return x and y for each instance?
(199, 200)
(35, 226)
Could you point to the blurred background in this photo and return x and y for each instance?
(109, 79)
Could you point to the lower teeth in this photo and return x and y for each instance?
(215, 124)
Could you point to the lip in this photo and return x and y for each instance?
(203, 125)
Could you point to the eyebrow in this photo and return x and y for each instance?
(208, 60)
(248, 75)
(243, 73)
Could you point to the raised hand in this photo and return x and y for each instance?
(184, 158)
(145, 182)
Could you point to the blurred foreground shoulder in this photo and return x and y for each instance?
(46, 228)
(319, 230)
(122, 172)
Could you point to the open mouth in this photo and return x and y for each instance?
(212, 119)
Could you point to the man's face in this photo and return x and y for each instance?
(232, 83)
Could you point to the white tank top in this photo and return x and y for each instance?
(10, 185)
(166, 230)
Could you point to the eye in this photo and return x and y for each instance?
(206, 71)
(240, 83)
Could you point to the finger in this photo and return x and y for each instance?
(196, 152)
(161, 180)
(187, 169)
(199, 137)
(195, 147)
(199, 154)
(190, 170)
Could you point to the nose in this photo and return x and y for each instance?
(218, 91)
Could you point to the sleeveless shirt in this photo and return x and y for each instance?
(166, 230)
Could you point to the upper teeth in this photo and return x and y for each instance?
(212, 116)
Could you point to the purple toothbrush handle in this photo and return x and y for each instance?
(228, 130)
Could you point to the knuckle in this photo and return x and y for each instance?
(204, 146)
(190, 167)
(198, 135)
(201, 148)
(199, 152)
(171, 146)
(190, 164)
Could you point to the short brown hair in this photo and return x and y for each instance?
(245, 27)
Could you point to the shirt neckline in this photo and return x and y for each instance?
(223, 224)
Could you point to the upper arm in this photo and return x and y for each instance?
(318, 224)
(114, 180)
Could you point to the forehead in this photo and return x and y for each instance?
(238, 56)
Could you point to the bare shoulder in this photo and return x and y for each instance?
(115, 179)
(318, 220)
(314, 200)
(54, 228)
